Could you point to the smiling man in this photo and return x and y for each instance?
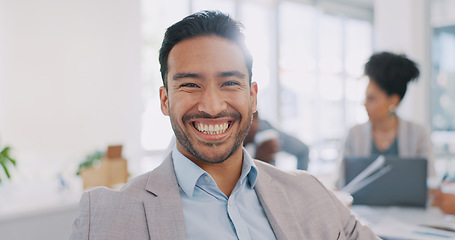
(210, 101)
(209, 187)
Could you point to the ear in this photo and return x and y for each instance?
(164, 100)
(254, 96)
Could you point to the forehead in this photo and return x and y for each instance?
(373, 89)
(206, 54)
(373, 86)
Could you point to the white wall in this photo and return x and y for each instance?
(69, 79)
(442, 13)
(402, 26)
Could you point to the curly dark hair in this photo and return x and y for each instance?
(203, 23)
(391, 72)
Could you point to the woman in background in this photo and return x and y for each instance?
(386, 133)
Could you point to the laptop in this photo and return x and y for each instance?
(394, 181)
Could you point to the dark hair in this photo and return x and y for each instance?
(392, 72)
(203, 23)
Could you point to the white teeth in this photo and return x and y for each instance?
(212, 129)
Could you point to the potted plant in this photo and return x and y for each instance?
(6, 160)
(90, 160)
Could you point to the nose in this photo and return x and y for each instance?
(212, 101)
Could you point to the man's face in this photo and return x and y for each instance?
(209, 99)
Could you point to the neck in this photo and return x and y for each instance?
(388, 124)
(227, 173)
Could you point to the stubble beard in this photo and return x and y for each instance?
(183, 139)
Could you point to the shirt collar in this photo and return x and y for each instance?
(188, 173)
(249, 169)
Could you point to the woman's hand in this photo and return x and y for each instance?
(445, 201)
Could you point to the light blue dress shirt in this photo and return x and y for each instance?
(210, 214)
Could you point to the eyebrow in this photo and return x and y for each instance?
(232, 74)
(179, 76)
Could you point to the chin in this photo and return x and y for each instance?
(215, 154)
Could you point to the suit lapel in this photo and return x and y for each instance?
(367, 140)
(402, 141)
(163, 210)
(275, 203)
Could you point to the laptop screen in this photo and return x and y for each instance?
(404, 183)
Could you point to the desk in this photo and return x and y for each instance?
(399, 223)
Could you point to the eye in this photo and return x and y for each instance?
(189, 85)
(230, 83)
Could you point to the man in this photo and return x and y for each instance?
(209, 187)
(263, 141)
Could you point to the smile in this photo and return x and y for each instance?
(212, 129)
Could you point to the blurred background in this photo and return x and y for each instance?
(77, 76)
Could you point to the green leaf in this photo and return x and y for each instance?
(5, 151)
(11, 160)
(5, 159)
(90, 160)
(6, 169)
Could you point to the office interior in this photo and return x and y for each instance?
(77, 76)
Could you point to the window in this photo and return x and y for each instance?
(260, 38)
(443, 97)
(443, 105)
(321, 61)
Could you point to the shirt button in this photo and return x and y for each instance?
(207, 178)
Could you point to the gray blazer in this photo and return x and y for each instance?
(413, 141)
(149, 207)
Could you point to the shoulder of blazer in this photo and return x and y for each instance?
(156, 181)
(410, 125)
(359, 130)
(410, 130)
(131, 189)
(138, 182)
